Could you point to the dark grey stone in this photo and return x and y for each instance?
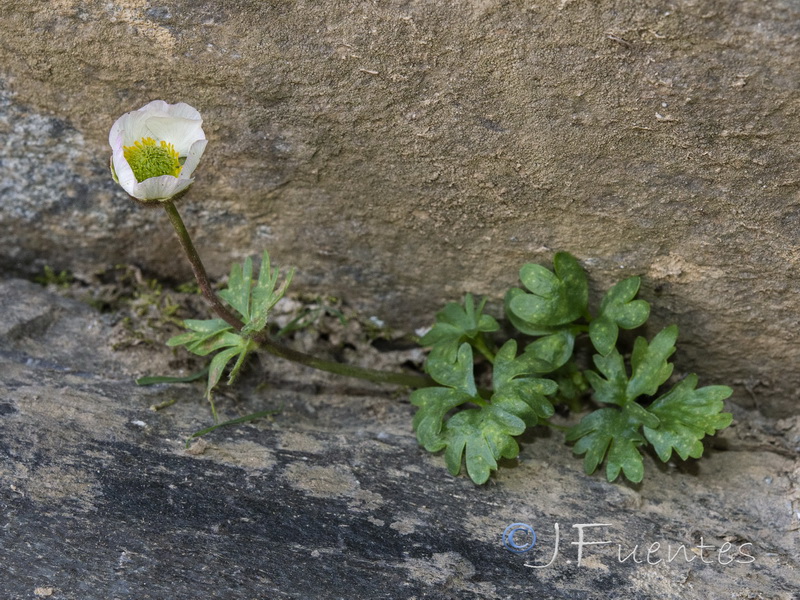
(332, 498)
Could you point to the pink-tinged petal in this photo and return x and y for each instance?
(181, 133)
(193, 158)
(160, 188)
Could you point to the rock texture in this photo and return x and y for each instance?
(401, 153)
(101, 500)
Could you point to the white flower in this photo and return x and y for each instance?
(156, 149)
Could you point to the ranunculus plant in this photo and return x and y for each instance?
(155, 151)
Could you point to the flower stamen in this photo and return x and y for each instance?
(150, 159)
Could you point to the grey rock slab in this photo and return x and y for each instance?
(332, 498)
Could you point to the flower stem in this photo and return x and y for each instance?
(281, 351)
(480, 345)
(198, 268)
(263, 339)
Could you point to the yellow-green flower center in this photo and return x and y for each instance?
(150, 159)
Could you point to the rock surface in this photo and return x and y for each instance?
(401, 153)
(332, 498)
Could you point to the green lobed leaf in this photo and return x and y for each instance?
(482, 436)
(264, 296)
(506, 366)
(519, 323)
(524, 397)
(611, 434)
(456, 374)
(456, 324)
(550, 352)
(610, 389)
(649, 363)
(435, 402)
(618, 309)
(240, 283)
(557, 297)
(687, 415)
(527, 399)
(433, 405)
(199, 332)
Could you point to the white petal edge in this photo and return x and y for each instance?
(183, 111)
(193, 158)
(160, 188)
(134, 127)
(125, 176)
(155, 106)
(179, 132)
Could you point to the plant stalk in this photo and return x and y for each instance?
(263, 338)
(405, 379)
(198, 269)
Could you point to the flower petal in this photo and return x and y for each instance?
(125, 176)
(155, 106)
(193, 158)
(177, 124)
(160, 188)
(183, 111)
(179, 132)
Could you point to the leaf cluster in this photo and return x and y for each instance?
(252, 299)
(483, 431)
(477, 428)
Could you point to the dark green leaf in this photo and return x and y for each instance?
(240, 283)
(686, 416)
(152, 380)
(435, 402)
(611, 388)
(618, 309)
(556, 298)
(550, 352)
(506, 365)
(526, 398)
(611, 434)
(456, 324)
(520, 324)
(482, 435)
(458, 374)
(433, 405)
(486, 433)
(649, 363)
(523, 397)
